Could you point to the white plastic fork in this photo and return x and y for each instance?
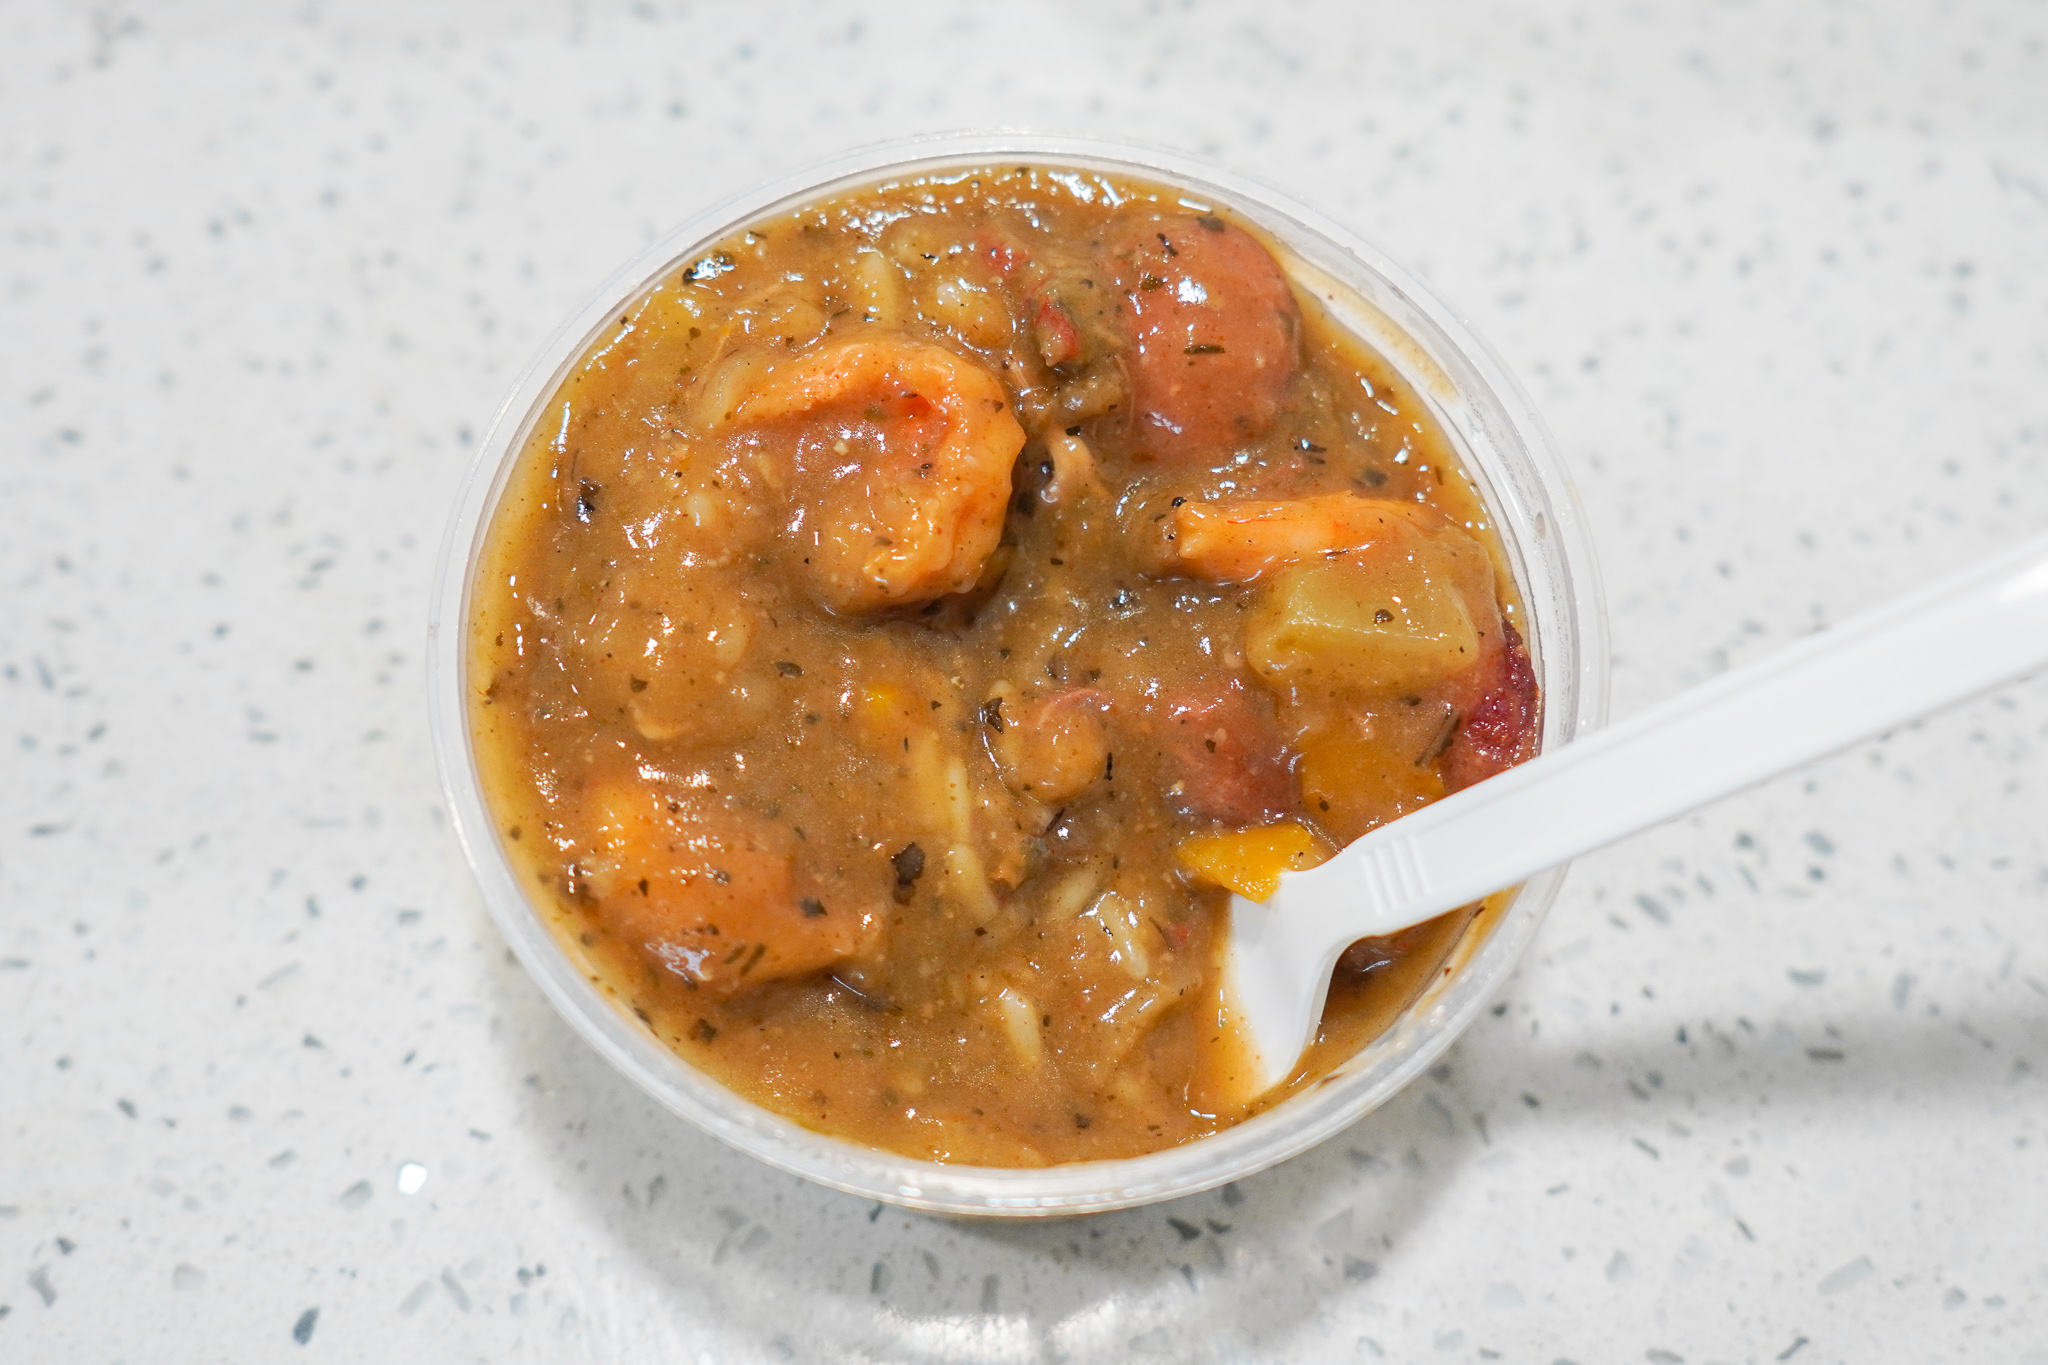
(1940, 644)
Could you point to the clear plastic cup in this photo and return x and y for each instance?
(1504, 447)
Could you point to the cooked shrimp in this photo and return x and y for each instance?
(1236, 542)
(902, 466)
(711, 895)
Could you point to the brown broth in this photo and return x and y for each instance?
(645, 626)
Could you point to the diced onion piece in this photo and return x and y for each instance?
(726, 385)
(670, 310)
(707, 512)
(1119, 920)
(654, 724)
(1250, 861)
(729, 642)
(1073, 470)
(973, 313)
(1069, 895)
(1118, 1030)
(1380, 622)
(966, 880)
(880, 289)
(959, 800)
(1020, 1025)
(782, 313)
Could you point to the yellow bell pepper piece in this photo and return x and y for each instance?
(1250, 861)
(1356, 784)
(881, 704)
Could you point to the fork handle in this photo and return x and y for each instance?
(1949, 640)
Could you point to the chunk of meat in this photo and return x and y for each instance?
(903, 466)
(1005, 254)
(713, 896)
(1223, 758)
(1059, 341)
(1498, 703)
(1213, 333)
(1051, 749)
(1071, 371)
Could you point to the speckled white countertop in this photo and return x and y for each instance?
(1773, 1084)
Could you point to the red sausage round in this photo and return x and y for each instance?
(1213, 333)
(1223, 757)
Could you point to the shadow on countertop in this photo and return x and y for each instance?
(765, 1266)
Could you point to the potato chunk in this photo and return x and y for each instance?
(1398, 615)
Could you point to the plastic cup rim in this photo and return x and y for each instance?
(1290, 1128)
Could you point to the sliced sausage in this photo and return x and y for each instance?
(1213, 334)
(1222, 757)
(1498, 701)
